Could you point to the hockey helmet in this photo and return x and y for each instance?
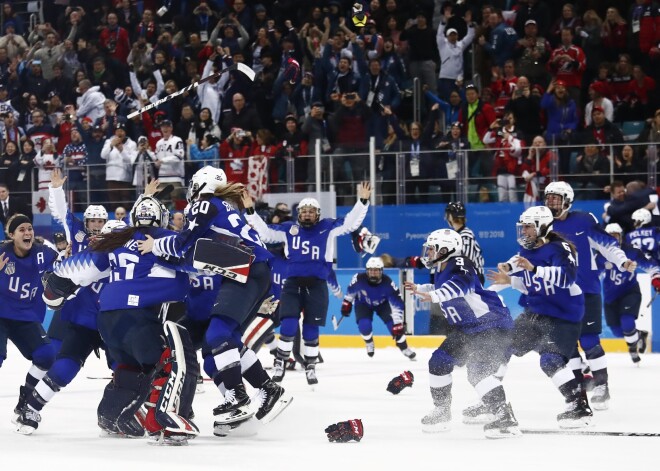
(541, 218)
(455, 209)
(112, 226)
(206, 181)
(615, 230)
(311, 214)
(564, 190)
(149, 212)
(374, 268)
(641, 217)
(440, 246)
(94, 211)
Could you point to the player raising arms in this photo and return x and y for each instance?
(545, 270)
(214, 203)
(372, 291)
(587, 236)
(309, 246)
(22, 262)
(480, 339)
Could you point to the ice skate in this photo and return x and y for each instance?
(371, 348)
(601, 397)
(437, 420)
(235, 408)
(408, 353)
(272, 399)
(28, 421)
(310, 373)
(199, 389)
(166, 438)
(641, 343)
(477, 414)
(22, 404)
(278, 370)
(578, 414)
(505, 424)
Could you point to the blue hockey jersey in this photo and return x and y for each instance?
(617, 284)
(20, 282)
(309, 250)
(552, 289)
(583, 231)
(360, 291)
(73, 227)
(464, 301)
(202, 295)
(278, 266)
(84, 308)
(134, 280)
(205, 219)
(646, 239)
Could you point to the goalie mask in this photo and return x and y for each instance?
(94, 217)
(440, 246)
(375, 270)
(534, 224)
(364, 242)
(553, 192)
(641, 217)
(205, 181)
(149, 212)
(309, 212)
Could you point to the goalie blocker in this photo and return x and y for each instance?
(226, 257)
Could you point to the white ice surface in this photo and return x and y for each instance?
(351, 385)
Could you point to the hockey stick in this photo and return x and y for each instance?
(335, 322)
(596, 433)
(237, 66)
(655, 295)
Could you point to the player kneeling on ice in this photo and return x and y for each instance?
(480, 338)
(623, 297)
(545, 270)
(374, 292)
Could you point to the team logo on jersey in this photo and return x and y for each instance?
(10, 269)
(80, 236)
(608, 265)
(294, 230)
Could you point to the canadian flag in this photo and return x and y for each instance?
(40, 202)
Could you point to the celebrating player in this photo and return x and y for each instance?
(372, 291)
(480, 339)
(545, 270)
(645, 236)
(309, 248)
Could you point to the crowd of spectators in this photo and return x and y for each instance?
(507, 80)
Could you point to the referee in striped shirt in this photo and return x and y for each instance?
(455, 216)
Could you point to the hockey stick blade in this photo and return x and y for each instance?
(247, 71)
(336, 323)
(595, 433)
(655, 295)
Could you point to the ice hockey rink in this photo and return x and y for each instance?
(351, 385)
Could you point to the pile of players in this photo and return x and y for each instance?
(561, 296)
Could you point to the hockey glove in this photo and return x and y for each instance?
(343, 432)
(268, 306)
(414, 262)
(397, 330)
(56, 290)
(346, 307)
(656, 284)
(399, 383)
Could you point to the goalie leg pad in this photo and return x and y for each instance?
(256, 331)
(174, 404)
(118, 395)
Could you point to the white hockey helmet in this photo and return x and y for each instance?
(440, 246)
(149, 212)
(94, 211)
(113, 225)
(641, 217)
(375, 267)
(205, 181)
(309, 203)
(538, 216)
(614, 230)
(567, 194)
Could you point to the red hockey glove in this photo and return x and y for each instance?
(399, 383)
(397, 330)
(346, 307)
(656, 284)
(343, 432)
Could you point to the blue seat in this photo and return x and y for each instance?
(632, 129)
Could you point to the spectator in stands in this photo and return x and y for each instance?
(453, 143)
(423, 52)
(380, 93)
(114, 41)
(20, 174)
(562, 121)
(74, 160)
(535, 169)
(569, 19)
(234, 152)
(537, 11)
(206, 153)
(40, 130)
(104, 77)
(421, 166)
(94, 140)
(240, 116)
(594, 168)
(12, 42)
(109, 120)
(568, 63)
(51, 53)
(348, 128)
(46, 160)
(532, 53)
(644, 26)
(294, 145)
(343, 79)
(651, 131)
(640, 99)
(615, 34)
(119, 153)
(591, 43)
(502, 137)
(91, 101)
(620, 82)
(33, 81)
(11, 19)
(145, 169)
(629, 166)
(451, 54)
(526, 109)
(9, 158)
(476, 118)
(170, 157)
(60, 85)
(10, 131)
(502, 40)
(603, 132)
(597, 91)
(146, 29)
(451, 109)
(11, 204)
(502, 86)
